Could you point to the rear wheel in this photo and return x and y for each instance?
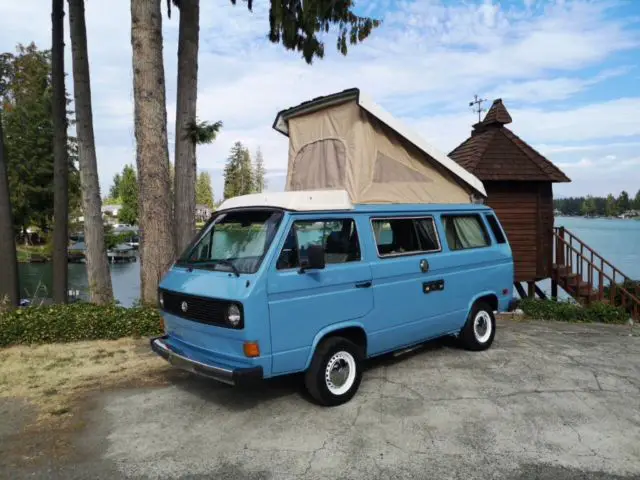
(335, 373)
(480, 329)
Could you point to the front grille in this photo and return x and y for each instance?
(210, 311)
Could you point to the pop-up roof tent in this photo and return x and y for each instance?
(344, 141)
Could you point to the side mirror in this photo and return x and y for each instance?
(315, 255)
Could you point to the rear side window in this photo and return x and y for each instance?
(339, 238)
(495, 228)
(465, 231)
(405, 236)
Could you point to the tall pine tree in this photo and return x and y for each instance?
(204, 192)
(238, 172)
(259, 183)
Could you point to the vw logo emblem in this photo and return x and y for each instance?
(184, 306)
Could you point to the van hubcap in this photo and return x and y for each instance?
(482, 326)
(340, 373)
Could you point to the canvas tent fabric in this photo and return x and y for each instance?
(338, 144)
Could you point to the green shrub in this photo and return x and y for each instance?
(565, 311)
(75, 322)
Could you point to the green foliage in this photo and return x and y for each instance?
(128, 189)
(565, 311)
(611, 207)
(631, 286)
(76, 322)
(238, 172)
(607, 206)
(296, 25)
(201, 133)
(26, 101)
(114, 191)
(204, 191)
(588, 207)
(623, 201)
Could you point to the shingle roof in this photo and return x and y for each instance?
(493, 152)
(497, 114)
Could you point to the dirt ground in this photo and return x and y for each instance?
(547, 401)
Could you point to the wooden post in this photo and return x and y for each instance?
(554, 288)
(560, 247)
(531, 289)
(520, 290)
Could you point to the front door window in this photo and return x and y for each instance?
(338, 238)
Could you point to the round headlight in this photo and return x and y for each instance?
(161, 300)
(233, 315)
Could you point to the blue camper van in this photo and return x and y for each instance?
(292, 282)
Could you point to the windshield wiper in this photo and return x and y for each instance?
(226, 263)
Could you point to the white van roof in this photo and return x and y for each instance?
(295, 200)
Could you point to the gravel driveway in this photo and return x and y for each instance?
(548, 401)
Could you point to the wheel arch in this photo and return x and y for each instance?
(353, 331)
(489, 297)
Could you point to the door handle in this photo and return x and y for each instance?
(363, 285)
(428, 287)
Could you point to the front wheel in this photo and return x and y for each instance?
(335, 373)
(479, 331)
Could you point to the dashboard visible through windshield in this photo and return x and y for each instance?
(234, 241)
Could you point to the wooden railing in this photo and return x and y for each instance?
(591, 272)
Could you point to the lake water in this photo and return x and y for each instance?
(616, 240)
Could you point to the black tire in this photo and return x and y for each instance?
(314, 378)
(469, 337)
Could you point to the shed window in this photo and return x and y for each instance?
(401, 236)
(320, 165)
(387, 169)
(465, 231)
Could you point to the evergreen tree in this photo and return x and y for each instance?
(258, 170)
(623, 202)
(238, 172)
(26, 95)
(636, 201)
(611, 207)
(588, 206)
(114, 191)
(128, 189)
(204, 192)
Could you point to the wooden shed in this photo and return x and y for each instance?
(518, 181)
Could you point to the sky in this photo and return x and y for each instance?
(568, 72)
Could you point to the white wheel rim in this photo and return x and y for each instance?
(340, 373)
(482, 326)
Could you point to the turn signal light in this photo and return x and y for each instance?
(251, 349)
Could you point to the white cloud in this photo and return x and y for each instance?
(424, 64)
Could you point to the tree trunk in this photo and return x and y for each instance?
(152, 155)
(9, 292)
(96, 254)
(185, 163)
(60, 157)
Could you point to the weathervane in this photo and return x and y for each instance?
(477, 101)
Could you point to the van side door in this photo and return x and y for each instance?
(303, 302)
(411, 296)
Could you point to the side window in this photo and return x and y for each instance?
(398, 236)
(339, 238)
(495, 228)
(465, 231)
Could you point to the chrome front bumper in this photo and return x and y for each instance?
(236, 376)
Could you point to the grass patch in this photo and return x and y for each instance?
(51, 376)
(565, 311)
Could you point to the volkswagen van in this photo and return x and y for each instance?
(290, 282)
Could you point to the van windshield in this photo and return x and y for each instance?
(233, 241)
